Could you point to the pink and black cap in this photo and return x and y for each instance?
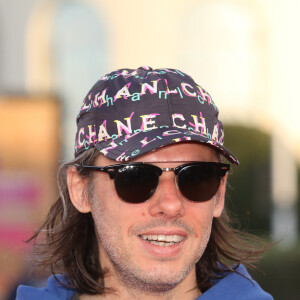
(129, 113)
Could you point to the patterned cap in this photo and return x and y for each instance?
(129, 113)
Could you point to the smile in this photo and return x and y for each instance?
(162, 240)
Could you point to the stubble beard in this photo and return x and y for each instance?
(124, 266)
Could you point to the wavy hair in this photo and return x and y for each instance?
(67, 243)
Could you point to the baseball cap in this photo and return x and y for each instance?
(131, 112)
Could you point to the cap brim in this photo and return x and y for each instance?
(139, 144)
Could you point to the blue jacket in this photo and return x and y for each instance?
(232, 287)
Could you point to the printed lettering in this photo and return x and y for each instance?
(87, 104)
(121, 126)
(200, 99)
(105, 150)
(221, 140)
(171, 132)
(135, 96)
(114, 136)
(179, 73)
(103, 132)
(147, 120)
(186, 91)
(81, 132)
(135, 152)
(92, 134)
(121, 143)
(122, 157)
(187, 138)
(109, 100)
(168, 90)
(101, 97)
(198, 125)
(215, 132)
(205, 96)
(152, 89)
(178, 116)
(208, 134)
(123, 92)
(160, 92)
(179, 91)
(145, 142)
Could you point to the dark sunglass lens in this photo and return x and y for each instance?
(136, 184)
(199, 182)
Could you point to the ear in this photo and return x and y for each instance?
(220, 198)
(76, 186)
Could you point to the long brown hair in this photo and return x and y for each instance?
(67, 243)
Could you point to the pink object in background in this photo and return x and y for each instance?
(19, 195)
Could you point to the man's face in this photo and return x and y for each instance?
(129, 233)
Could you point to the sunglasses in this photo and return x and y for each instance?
(137, 182)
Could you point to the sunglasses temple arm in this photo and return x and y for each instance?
(111, 172)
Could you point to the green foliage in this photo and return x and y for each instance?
(249, 192)
(281, 273)
(249, 198)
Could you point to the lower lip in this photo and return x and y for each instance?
(163, 251)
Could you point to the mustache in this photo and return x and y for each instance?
(175, 223)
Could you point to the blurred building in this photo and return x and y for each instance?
(245, 53)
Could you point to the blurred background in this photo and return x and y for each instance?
(245, 53)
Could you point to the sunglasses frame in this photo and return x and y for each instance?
(112, 170)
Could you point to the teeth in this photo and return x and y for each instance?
(162, 240)
(169, 238)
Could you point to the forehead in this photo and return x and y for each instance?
(188, 151)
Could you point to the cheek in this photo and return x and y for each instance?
(104, 191)
(108, 208)
(102, 203)
(201, 217)
(106, 218)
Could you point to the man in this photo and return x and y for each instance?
(141, 207)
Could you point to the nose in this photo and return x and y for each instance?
(167, 201)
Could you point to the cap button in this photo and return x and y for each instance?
(146, 68)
